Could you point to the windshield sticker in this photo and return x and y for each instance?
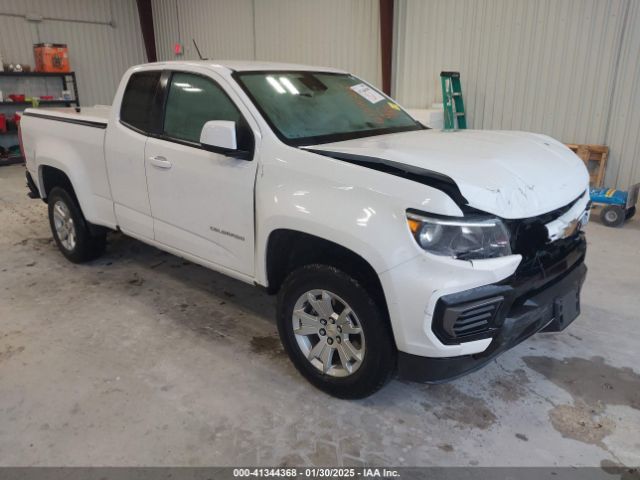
(367, 92)
(393, 105)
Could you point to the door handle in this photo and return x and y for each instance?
(160, 162)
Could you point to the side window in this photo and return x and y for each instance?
(137, 102)
(194, 100)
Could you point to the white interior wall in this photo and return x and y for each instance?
(546, 66)
(338, 33)
(99, 54)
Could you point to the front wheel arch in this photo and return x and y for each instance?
(288, 250)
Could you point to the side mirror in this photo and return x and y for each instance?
(219, 135)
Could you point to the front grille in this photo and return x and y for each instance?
(530, 238)
(558, 212)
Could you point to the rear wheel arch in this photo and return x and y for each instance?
(51, 177)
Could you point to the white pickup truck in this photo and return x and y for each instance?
(394, 248)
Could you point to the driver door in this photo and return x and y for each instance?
(201, 201)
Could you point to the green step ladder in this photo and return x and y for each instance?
(452, 101)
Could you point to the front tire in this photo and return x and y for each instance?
(334, 332)
(70, 230)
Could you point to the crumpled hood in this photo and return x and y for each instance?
(506, 173)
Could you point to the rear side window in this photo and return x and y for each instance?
(194, 100)
(137, 102)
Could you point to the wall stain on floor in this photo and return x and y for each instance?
(511, 387)
(623, 472)
(34, 242)
(453, 404)
(582, 422)
(590, 380)
(267, 345)
(9, 352)
(593, 384)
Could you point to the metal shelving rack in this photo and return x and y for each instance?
(67, 82)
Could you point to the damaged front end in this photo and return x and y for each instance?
(543, 294)
(548, 241)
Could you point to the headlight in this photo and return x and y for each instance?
(468, 238)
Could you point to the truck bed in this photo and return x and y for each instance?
(93, 116)
(73, 143)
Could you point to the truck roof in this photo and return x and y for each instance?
(246, 66)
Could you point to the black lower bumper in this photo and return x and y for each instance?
(549, 309)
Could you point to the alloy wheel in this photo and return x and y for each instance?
(328, 333)
(64, 225)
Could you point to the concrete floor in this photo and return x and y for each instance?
(140, 358)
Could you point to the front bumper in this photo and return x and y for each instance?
(525, 309)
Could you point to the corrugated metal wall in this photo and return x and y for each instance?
(338, 33)
(223, 29)
(623, 133)
(335, 33)
(568, 68)
(98, 53)
(545, 66)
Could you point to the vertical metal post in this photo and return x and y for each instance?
(386, 42)
(145, 13)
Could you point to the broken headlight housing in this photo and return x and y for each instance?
(468, 238)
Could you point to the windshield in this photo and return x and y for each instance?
(305, 108)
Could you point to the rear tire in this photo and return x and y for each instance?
(612, 216)
(344, 344)
(70, 230)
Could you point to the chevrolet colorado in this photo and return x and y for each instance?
(394, 248)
